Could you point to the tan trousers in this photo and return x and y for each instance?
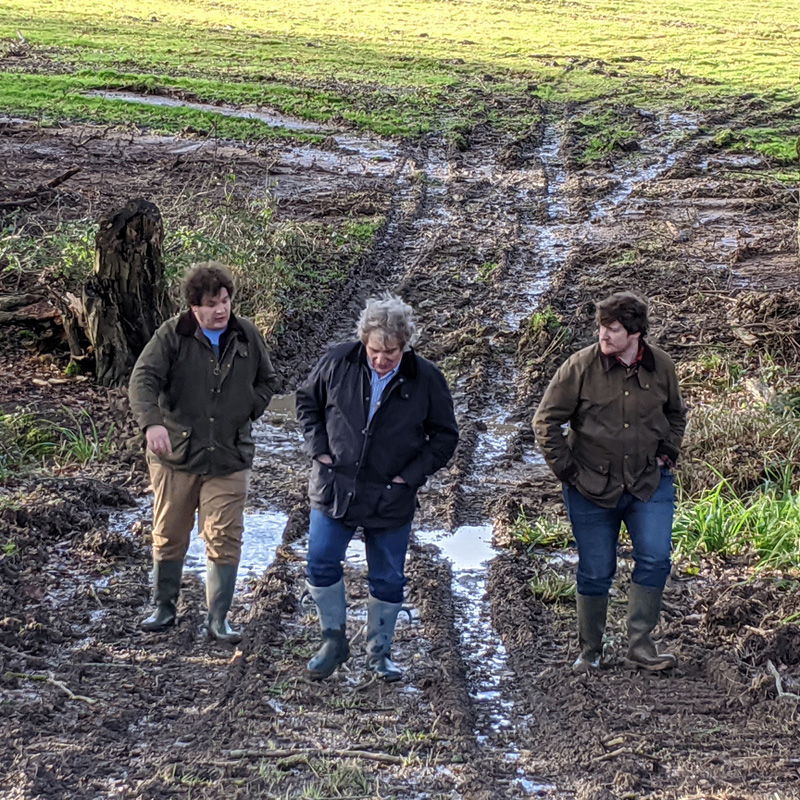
(218, 502)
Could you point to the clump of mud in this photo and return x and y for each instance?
(60, 511)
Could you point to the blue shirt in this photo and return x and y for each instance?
(378, 385)
(214, 337)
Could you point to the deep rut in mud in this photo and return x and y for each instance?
(481, 243)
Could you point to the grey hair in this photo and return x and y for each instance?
(390, 318)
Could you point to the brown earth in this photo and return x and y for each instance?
(477, 241)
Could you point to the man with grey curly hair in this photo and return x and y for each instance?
(378, 420)
(389, 318)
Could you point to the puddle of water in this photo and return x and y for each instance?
(532, 787)
(360, 146)
(263, 532)
(468, 549)
(277, 431)
(270, 118)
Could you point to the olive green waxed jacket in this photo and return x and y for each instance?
(618, 420)
(207, 404)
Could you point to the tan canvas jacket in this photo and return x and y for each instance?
(619, 420)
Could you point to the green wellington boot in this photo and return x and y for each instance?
(332, 610)
(591, 625)
(381, 621)
(644, 610)
(166, 588)
(220, 584)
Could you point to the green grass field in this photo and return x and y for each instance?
(402, 67)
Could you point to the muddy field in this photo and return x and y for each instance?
(478, 241)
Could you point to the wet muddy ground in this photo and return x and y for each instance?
(478, 241)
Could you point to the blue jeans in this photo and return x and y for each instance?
(386, 555)
(596, 531)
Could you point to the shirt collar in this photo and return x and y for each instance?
(376, 377)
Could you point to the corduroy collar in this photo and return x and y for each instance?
(647, 359)
(187, 326)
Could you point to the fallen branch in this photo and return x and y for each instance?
(317, 753)
(37, 194)
(53, 682)
(65, 176)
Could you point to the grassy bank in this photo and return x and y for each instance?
(403, 67)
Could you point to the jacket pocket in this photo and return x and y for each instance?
(245, 444)
(593, 480)
(180, 440)
(397, 501)
(322, 484)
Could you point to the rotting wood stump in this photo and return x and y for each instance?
(126, 298)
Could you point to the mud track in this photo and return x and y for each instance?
(479, 242)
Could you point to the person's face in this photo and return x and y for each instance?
(214, 311)
(383, 354)
(616, 341)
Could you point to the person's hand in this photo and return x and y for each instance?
(398, 479)
(158, 440)
(325, 459)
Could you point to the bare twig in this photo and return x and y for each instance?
(58, 180)
(53, 682)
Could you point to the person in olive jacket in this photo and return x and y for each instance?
(378, 420)
(196, 388)
(610, 426)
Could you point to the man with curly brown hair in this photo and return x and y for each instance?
(198, 385)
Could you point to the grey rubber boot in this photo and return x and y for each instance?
(332, 610)
(381, 620)
(166, 588)
(644, 609)
(591, 625)
(220, 585)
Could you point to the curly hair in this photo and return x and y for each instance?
(206, 278)
(390, 318)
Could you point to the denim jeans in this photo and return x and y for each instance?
(596, 531)
(386, 555)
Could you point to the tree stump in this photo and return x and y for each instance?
(126, 298)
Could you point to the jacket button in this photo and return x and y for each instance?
(627, 456)
(211, 449)
(388, 485)
(211, 419)
(185, 433)
(349, 494)
(627, 393)
(626, 425)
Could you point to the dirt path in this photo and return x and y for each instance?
(481, 242)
